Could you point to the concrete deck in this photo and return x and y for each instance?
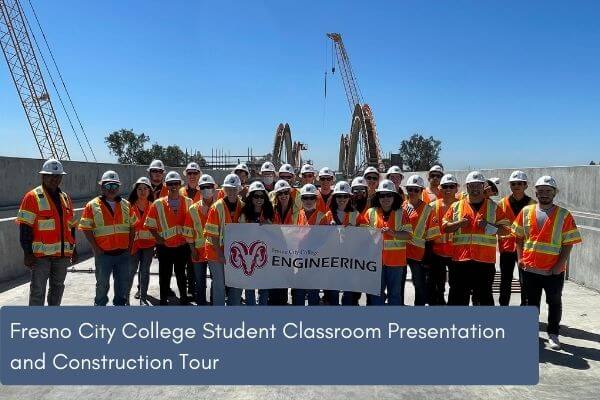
(572, 373)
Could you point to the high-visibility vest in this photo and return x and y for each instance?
(323, 205)
(41, 214)
(394, 250)
(317, 218)
(428, 196)
(262, 219)
(167, 224)
(442, 245)
(218, 216)
(183, 191)
(193, 229)
(164, 191)
(542, 245)
(290, 217)
(111, 231)
(143, 238)
(352, 218)
(471, 242)
(506, 243)
(424, 229)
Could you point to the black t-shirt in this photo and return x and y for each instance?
(476, 206)
(230, 206)
(517, 205)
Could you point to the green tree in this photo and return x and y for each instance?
(126, 145)
(419, 153)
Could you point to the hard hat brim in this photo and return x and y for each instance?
(108, 181)
(52, 173)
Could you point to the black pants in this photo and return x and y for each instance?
(552, 286)
(190, 277)
(508, 260)
(278, 297)
(468, 277)
(435, 276)
(170, 258)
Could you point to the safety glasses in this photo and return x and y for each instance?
(372, 178)
(517, 184)
(446, 187)
(283, 193)
(435, 176)
(326, 178)
(192, 173)
(309, 198)
(173, 183)
(413, 190)
(156, 171)
(258, 197)
(342, 196)
(386, 195)
(110, 186)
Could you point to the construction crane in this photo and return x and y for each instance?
(292, 151)
(29, 81)
(360, 148)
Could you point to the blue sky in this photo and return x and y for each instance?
(501, 83)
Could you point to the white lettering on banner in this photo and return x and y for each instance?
(303, 257)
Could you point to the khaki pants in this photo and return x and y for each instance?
(46, 269)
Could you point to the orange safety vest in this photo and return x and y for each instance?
(352, 218)
(184, 192)
(110, 229)
(323, 205)
(317, 218)
(471, 242)
(166, 223)
(506, 243)
(39, 212)
(143, 239)
(394, 250)
(290, 217)
(542, 245)
(442, 245)
(193, 229)
(428, 196)
(424, 228)
(164, 191)
(218, 216)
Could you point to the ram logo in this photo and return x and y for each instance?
(248, 258)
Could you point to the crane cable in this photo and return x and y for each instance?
(62, 81)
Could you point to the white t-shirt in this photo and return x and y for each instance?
(112, 204)
(541, 215)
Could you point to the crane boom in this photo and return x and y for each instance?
(353, 94)
(29, 81)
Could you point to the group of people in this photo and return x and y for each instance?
(433, 228)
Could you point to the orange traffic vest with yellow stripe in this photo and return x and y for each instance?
(39, 212)
(193, 229)
(442, 245)
(142, 239)
(290, 217)
(218, 216)
(424, 229)
(316, 218)
(506, 243)
(542, 245)
(352, 218)
(110, 229)
(183, 191)
(428, 196)
(394, 250)
(168, 225)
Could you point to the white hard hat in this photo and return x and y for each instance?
(52, 167)
(206, 179)
(232, 181)
(436, 168)
(307, 169)
(475, 176)
(256, 186)
(342, 187)
(359, 181)
(143, 180)
(495, 181)
(415, 181)
(326, 171)
(286, 169)
(546, 180)
(156, 164)
(386, 186)
(173, 176)
(394, 169)
(518, 176)
(308, 190)
(193, 166)
(370, 170)
(242, 167)
(281, 185)
(110, 176)
(267, 167)
(449, 179)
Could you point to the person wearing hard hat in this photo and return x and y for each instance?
(434, 176)
(243, 172)
(308, 215)
(388, 215)
(257, 209)
(47, 235)
(512, 206)
(108, 223)
(441, 251)
(166, 220)
(394, 174)
(326, 181)
(223, 211)
(371, 175)
(156, 173)
(474, 221)
(425, 229)
(359, 194)
(545, 234)
(267, 175)
(142, 249)
(490, 190)
(286, 172)
(341, 212)
(307, 174)
(192, 173)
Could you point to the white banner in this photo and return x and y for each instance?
(303, 257)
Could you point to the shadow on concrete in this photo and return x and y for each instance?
(575, 333)
(13, 283)
(561, 358)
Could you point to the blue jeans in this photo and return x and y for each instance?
(417, 271)
(217, 275)
(299, 295)
(141, 260)
(200, 287)
(263, 297)
(118, 266)
(393, 280)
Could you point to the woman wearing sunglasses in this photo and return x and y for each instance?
(257, 209)
(388, 215)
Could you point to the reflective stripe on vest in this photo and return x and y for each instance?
(419, 231)
(166, 232)
(106, 230)
(353, 217)
(199, 240)
(552, 248)
(389, 244)
(41, 199)
(49, 249)
(481, 239)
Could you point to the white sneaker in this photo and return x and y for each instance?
(553, 341)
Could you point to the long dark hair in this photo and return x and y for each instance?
(267, 207)
(396, 205)
(133, 197)
(334, 207)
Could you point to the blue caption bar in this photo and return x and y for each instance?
(269, 346)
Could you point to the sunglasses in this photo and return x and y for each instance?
(156, 171)
(342, 196)
(325, 178)
(435, 176)
(517, 184)
(413, 190)
(309, 198)
(308, 175)
(110, 186)
(448, 186)
(171, 184)
(258, 197)
(283, 193)
(386, 195)
(372, 178)
(359, 190)
(285, 177)
(192, 173)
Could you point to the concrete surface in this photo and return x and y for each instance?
(572, 373)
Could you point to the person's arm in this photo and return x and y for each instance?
(563, 258)
(26, 240)
(450, 227)
(89, 235)
(519, 247)
(157, 237)
(214, 242)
